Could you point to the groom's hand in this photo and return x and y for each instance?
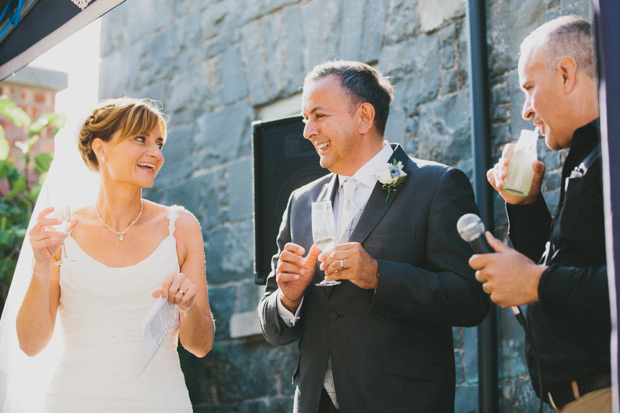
(294, 273)
(350, 261)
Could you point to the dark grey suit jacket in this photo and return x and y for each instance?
(391, 349)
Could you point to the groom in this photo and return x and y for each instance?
(382, 340)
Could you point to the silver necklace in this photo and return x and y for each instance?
(122, 233)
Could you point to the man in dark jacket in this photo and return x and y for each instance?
(568, 319)
(381, 341)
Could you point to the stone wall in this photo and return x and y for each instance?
(217, 64)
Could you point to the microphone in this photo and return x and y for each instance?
(471, 228)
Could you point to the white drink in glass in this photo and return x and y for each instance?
(520, 173)
(324, 231)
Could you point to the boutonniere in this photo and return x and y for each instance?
(391, 175)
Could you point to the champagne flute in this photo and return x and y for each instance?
(63, 213)
(324, 231)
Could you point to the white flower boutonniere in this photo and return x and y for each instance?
(391, 175)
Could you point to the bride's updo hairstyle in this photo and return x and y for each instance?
(131, 116)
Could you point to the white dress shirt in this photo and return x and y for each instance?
(365, 182)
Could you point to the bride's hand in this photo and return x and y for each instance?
(46, 242)
(179, 290)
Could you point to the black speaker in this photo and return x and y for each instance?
(283, 161)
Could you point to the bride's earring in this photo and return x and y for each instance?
(103, 159)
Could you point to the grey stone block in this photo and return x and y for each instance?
(292, 38)
(373, 29)
(231, 77)
(470, 347)
(500, 113)
(431, 17)
(158, 90)
(331, 25)
(217, 45)
(351, 30)
(512, 349)
(395, 128)
(158, 14)
(311, 26)
(447, 55)
(230, 252)
(517, 98)
(449, 81)
(275, 57)
(222, 303)
(505, 34)
(240, 189)
(402, 21)
(517, 395)
(247, 371)
(163, 49)
(499, 93)
(254, 57)
(223, 135)
(501, 136)
(553, 180)
(177, 153)
(466, 399)
(113, 30)
(249, 295)
(444, 138)
(124, 63)
(579, 8)
(413, 68)
(219, 18)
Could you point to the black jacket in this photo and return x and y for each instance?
(391, 349)
(569, 328)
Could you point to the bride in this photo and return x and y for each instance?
(125, 252)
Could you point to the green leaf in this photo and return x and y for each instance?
(26, 144)
(17, 115)
(4, 147)
(19, 186)
(42, 162)
(57, 120)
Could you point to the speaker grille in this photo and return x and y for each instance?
(283, 161)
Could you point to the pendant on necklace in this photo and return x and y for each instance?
(121, 237)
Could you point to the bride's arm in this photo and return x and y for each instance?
(197, 326)
(37, 315)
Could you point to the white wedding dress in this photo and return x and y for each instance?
(101, 309)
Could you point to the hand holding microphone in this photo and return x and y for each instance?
(471, 228)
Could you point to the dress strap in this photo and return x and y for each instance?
(173, 215)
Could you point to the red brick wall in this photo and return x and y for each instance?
(36, 101)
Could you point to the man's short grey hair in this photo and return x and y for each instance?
(566, 36)
(362, 83)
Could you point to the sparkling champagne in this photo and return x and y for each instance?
(325, 244)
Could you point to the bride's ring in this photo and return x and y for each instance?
(182, 292)
(341, 265)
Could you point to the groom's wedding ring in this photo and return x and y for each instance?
(341, 265)
(182, 292)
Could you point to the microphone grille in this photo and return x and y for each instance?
(470, 227)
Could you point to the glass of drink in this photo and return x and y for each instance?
(63, 213)
(324, 231)
(520, 173)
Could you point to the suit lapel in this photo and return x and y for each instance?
(328, 193)
(376, 207)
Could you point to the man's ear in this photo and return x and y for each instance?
(568, 70)
(366, 116)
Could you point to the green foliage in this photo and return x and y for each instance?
(17, 197)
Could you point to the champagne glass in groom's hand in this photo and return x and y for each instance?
(324, 231)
